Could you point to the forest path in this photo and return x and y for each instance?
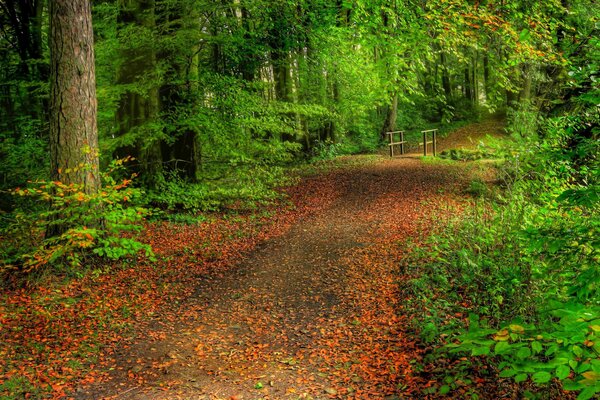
(314, 313)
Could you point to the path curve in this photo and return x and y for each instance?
(312, 314)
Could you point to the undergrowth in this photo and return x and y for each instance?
(248, 188)
(523, 266)
(60, 227)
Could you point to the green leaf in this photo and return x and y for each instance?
(524, 35)
(521, 378)
(507, 373)
(562, 372)
(444, 389)
(536, 347)
(480, 351)
(541, 377)
(501, 347)
(571, 385)
(523, 353)
(583, 367)
(588, 392)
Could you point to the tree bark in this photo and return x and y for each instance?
(390, 119)
(486, 77)
(73, 106)
(468, 91)
(445, 77)
(136, 110)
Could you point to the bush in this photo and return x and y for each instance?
(525, 268)
(241, 187)
(87, 225)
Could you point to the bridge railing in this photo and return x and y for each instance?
(401, 141)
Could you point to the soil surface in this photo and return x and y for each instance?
(314, 313)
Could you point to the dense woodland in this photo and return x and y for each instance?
(114, 112)
(219, 94)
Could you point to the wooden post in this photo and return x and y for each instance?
(424, 144)
(401, 142)
(434, 142)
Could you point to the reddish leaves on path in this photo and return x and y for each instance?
(297, 303)
(313, 312)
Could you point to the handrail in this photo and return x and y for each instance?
(433, 141)
(392, 143)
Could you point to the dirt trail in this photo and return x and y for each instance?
(314, 313)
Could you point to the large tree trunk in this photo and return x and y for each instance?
(73, 130)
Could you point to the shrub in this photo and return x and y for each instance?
(87, 224)
(525, 267)
(244, 186)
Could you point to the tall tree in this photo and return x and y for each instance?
(23, 87)
(139, 105)
(73, 108)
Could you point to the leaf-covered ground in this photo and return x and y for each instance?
(299, 302)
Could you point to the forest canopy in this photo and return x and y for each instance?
(211, 92)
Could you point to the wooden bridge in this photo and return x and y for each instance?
(401, 142)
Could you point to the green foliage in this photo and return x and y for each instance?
(249, 186)
(466, 155)
(21, 157)
(326, 150)
(565, 346)
(525, 265)
(63, 226)
(524, 120)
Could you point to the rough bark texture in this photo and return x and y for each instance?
(73, 130)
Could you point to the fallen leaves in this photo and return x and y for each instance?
(318, 314)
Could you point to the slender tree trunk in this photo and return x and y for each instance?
(390, 120)
(25, 20)
(136, 110)
(526, 83)
(486, 76)
(474, 82)
(468, 92)
(283, 81)
(73, 107)
(445, 77)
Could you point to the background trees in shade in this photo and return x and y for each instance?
(219, 94)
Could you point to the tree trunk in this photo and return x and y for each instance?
(25, 21)
(468, 91)
(73, 107)
(525, 92)
(390, 119)
(283, 82)
(445, 77)
(474, 82)
(135, 109)
(486, 77)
